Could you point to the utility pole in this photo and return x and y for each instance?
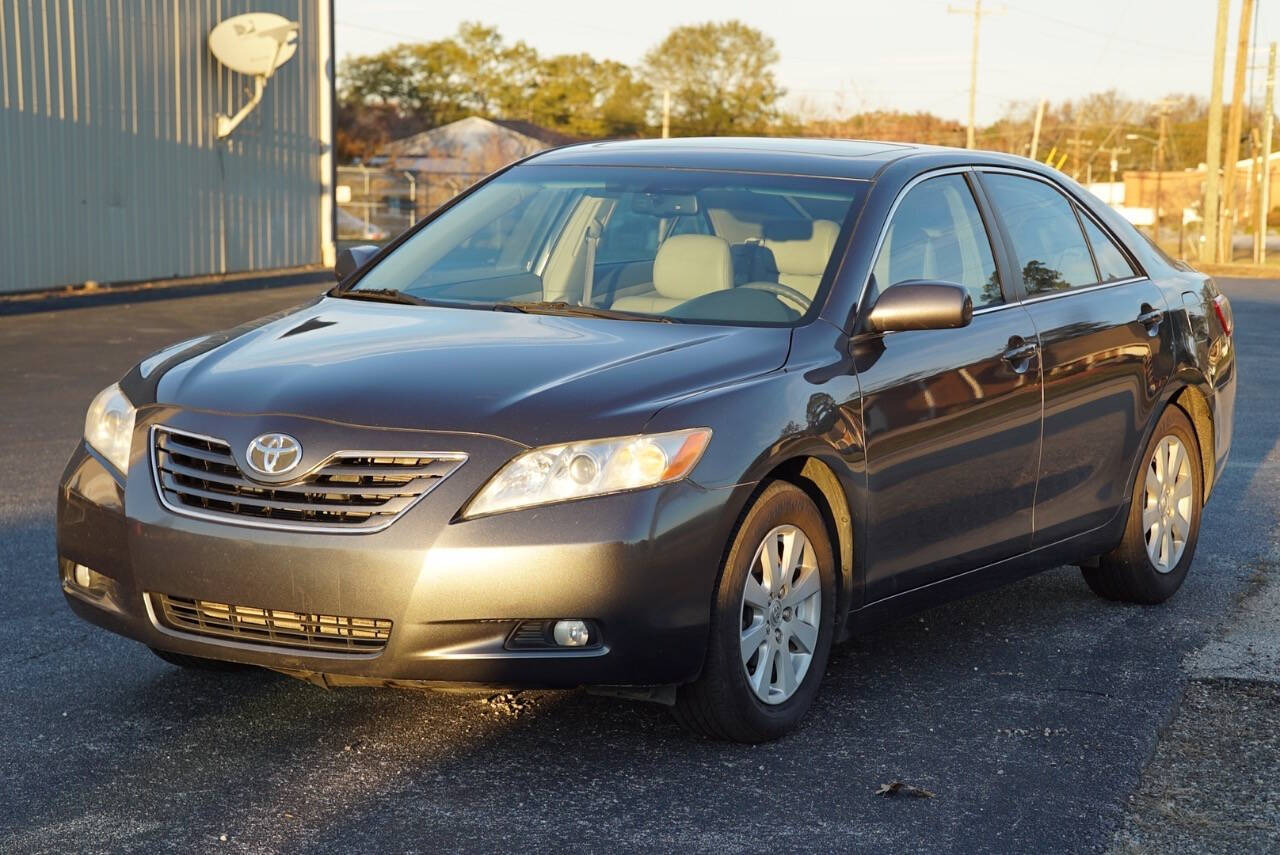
(977, 13)
(666, 113)
(1035, 130)
(1264, 192)
(1213, 155)
(1164, 127)
(1227, 228)
(1076, 141)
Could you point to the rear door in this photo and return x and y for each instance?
(1105, 341)
(952, 416)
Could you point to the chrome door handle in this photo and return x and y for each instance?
(1019, 355)
(1151, 319)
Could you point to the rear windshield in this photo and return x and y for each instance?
(684, 245)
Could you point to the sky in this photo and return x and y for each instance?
(852, 55)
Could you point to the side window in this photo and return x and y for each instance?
(1046, 236)
(628, 235)
(1112, 264)
(937, 233)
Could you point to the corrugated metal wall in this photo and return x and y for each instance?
(109, 169)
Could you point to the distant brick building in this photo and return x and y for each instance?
(1185, 189)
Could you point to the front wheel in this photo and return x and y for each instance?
(771, 624)
(1164, 520)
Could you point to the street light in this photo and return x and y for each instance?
(1145, 138)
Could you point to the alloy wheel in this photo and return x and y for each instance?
(1166, 513)
(781, 614)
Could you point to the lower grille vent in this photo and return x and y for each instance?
(531, 635)
(273, 627)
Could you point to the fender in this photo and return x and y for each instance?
(825, 454)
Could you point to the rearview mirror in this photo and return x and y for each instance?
(352, 259)
(665, 204)
(919, 304)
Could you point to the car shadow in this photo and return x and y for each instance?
(286, 765)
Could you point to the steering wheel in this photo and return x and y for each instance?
(784, 291)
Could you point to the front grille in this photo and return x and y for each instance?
(273, 627)
(351, 491)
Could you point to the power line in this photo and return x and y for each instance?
(1062, 22)
(379, 31)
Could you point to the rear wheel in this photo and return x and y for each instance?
(198, 663)
(771, 624)
(1160, 536)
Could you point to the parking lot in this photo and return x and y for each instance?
(1030, 712)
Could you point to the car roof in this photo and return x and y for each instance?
(834, 158)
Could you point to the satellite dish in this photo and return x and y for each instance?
(255, 44)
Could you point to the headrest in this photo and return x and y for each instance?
(806, 256)
(689, 266)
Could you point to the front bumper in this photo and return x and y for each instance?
(641, 565)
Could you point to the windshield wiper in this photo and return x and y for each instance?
(383, 295)
(559, 307)
(550, 307)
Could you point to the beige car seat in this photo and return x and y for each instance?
(800, 263)
(686, 266)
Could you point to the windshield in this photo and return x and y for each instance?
(655, 244)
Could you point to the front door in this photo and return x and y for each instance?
(1106, 343)
(952, 417)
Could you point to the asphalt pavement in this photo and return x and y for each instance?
(1034, 714)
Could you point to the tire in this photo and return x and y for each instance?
(197, 663)
(722, 703)
(1129, 573)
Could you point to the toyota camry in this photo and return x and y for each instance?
(666, 420)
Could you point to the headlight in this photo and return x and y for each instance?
(556, 473)
(108, 426)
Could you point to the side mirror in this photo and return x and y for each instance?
(918, 304)
(352, 259)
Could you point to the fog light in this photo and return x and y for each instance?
(83, 576)
(571, 633)
(85, 580)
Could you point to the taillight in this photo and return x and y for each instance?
(1223, 309)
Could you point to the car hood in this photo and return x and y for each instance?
(534, 379)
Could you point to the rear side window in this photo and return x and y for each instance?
(1112, 264)
(1047, 240)
(937, 233)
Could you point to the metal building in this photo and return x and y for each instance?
(109, 166)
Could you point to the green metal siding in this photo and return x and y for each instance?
(109, 169)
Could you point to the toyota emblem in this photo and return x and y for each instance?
(274, 454)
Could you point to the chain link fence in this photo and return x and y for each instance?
(376, 204)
